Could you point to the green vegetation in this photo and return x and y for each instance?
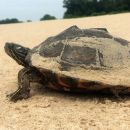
(8, 21)
(81, 8)
(29, 20)
(47, 17)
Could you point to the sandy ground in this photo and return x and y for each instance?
(49, 110)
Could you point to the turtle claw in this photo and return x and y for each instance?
(18, 95)
(9, 95)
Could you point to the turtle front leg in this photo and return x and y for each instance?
(23, 91)
(25, 76)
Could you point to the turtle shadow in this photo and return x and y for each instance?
(98, 96)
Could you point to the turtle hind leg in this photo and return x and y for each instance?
(116, 92)
(25, 76)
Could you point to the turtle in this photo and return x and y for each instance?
(75, 60)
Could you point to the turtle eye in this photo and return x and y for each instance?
(18, 48)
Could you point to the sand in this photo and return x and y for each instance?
(50, 110)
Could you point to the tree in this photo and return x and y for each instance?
(8, 21)
(47, 17)
(80, 8)
(29, 20)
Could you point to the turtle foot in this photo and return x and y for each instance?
(19, 95)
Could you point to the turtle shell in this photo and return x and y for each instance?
(85, 54)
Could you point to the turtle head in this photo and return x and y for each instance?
(17, 52)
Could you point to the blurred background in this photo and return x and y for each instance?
(15, 11)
